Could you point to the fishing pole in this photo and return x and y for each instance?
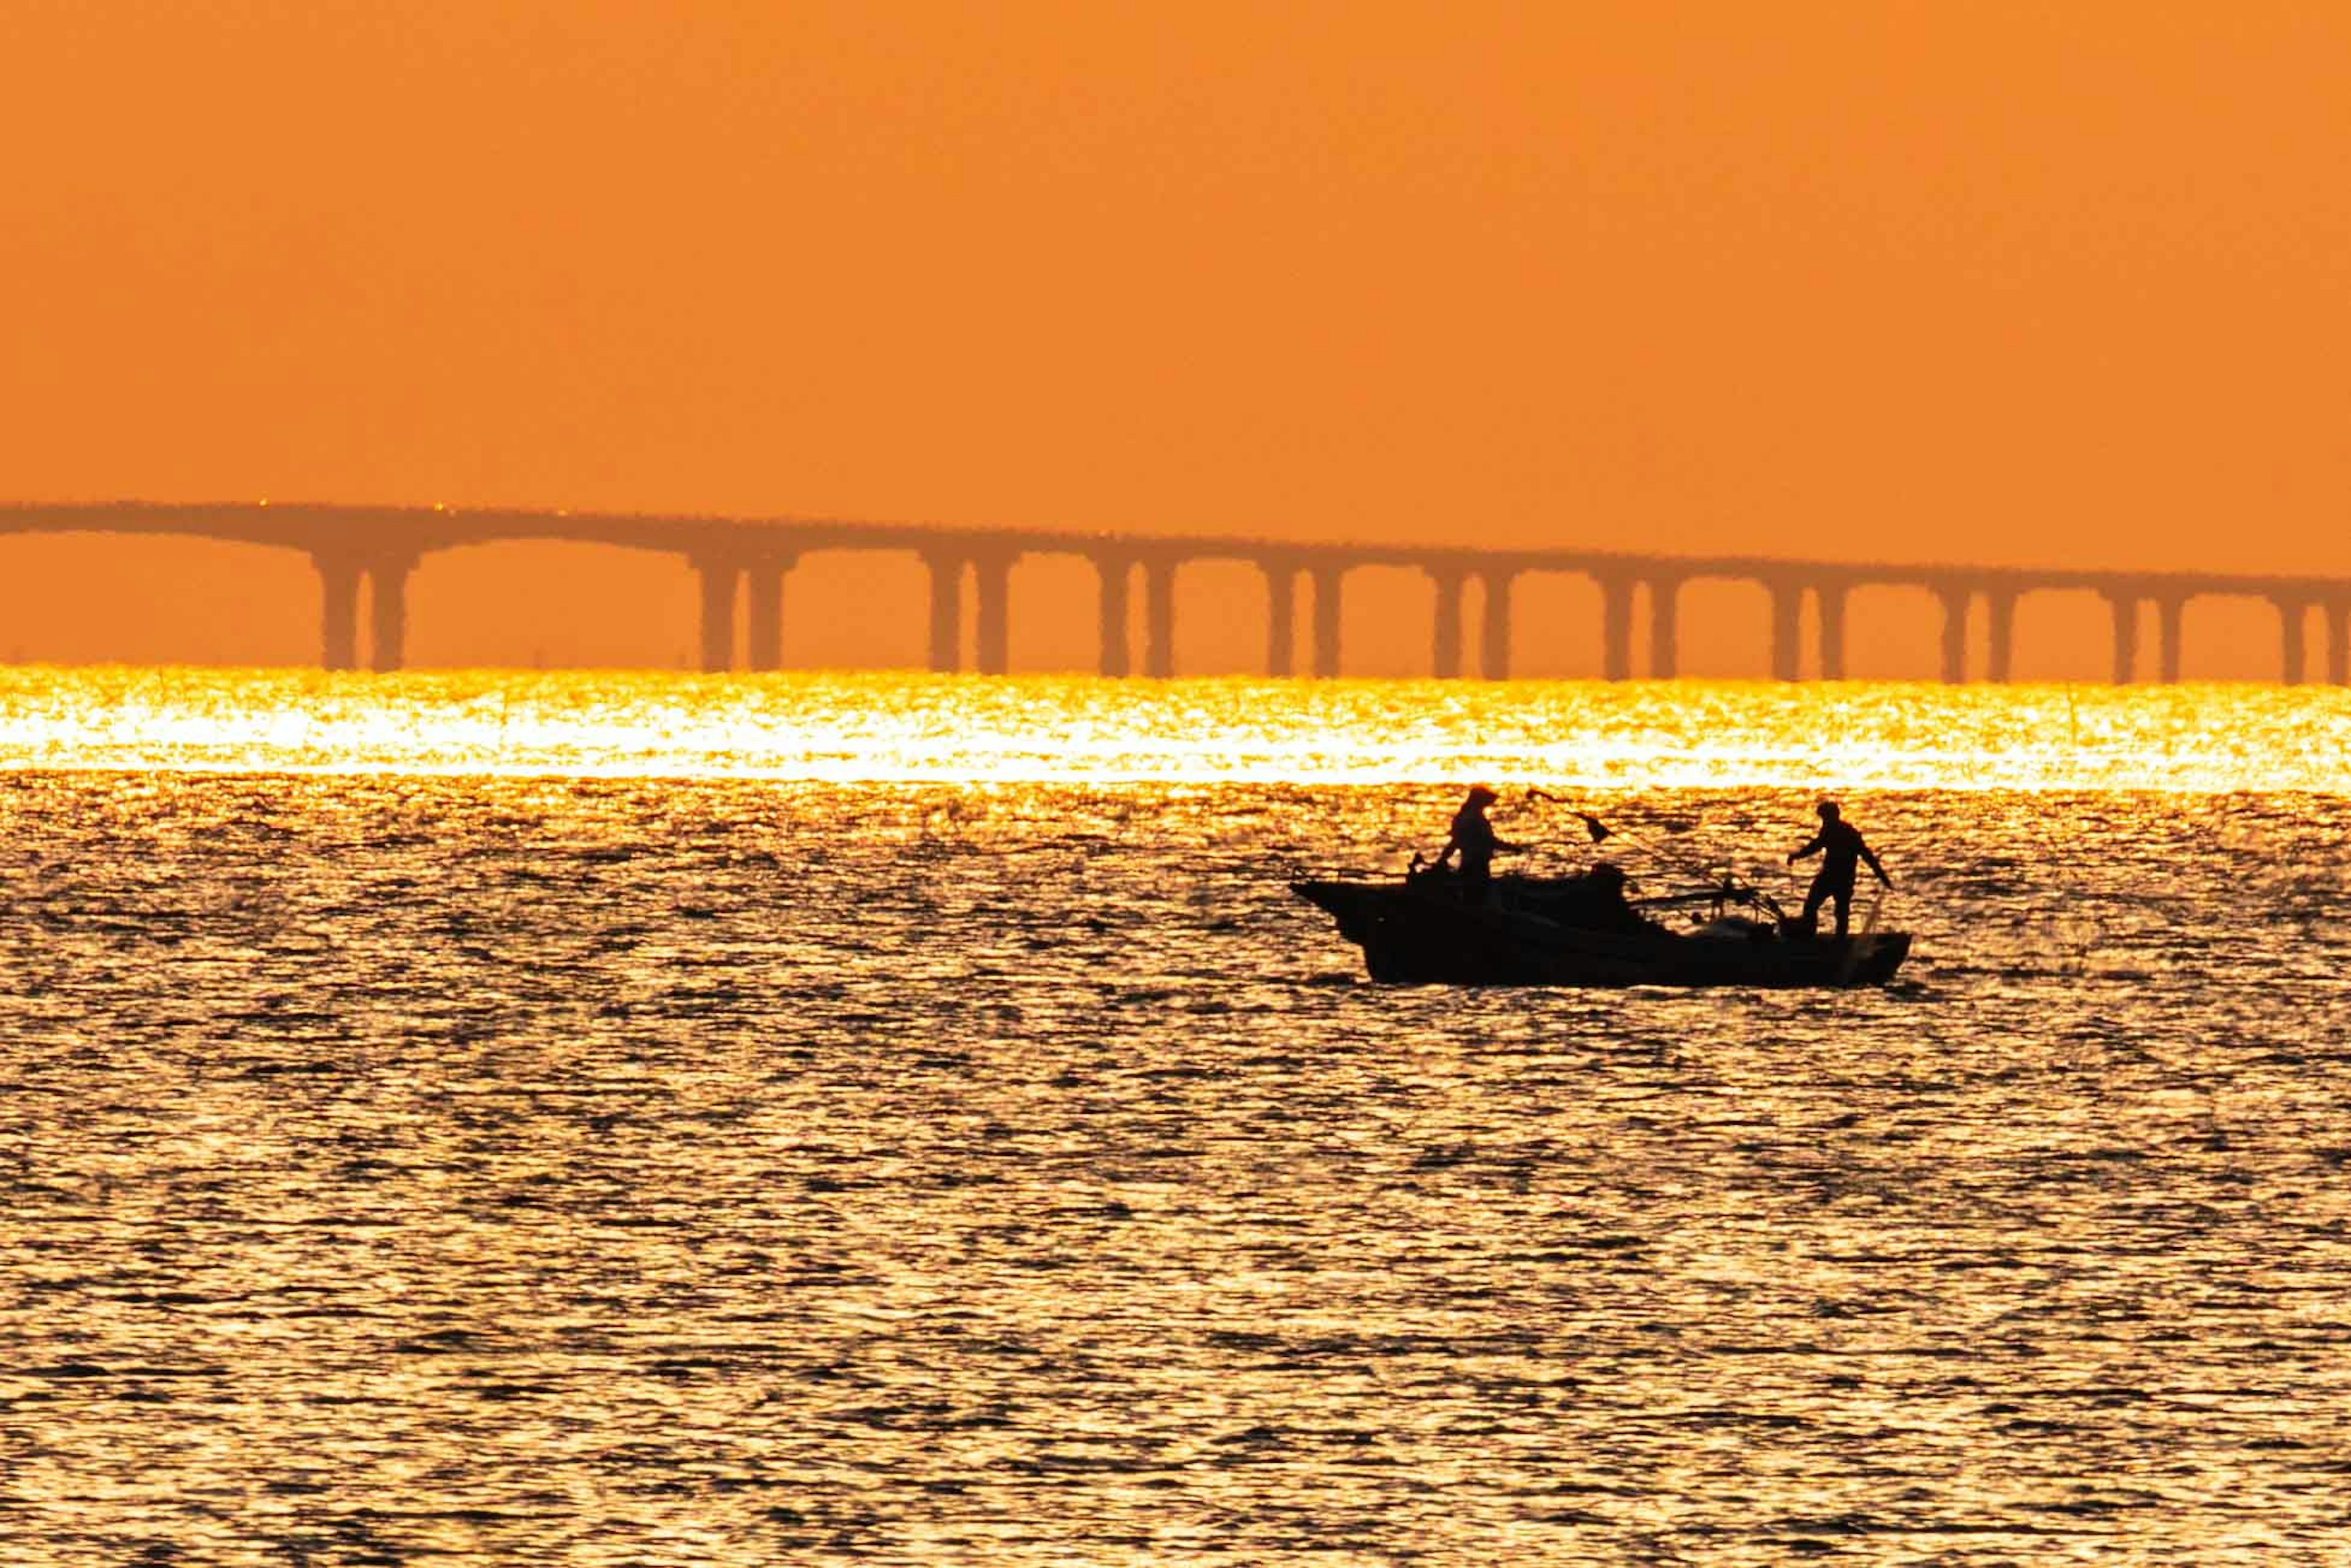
(1725, 884)
(1600, 832)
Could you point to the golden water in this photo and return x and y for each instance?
(611, 1119)
(870, 729)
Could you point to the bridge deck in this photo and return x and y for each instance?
(383, 544)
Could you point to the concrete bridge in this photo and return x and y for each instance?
(381, 546)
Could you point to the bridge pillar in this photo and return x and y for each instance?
(1616, 628)
(1445, 658)
(720, 577)
(388, 605)
(1955, 634)
(2339, 643)
(339, 582)
(2002, 651)
(2167, 625)
(1787, 629)
(993, 572)
(2125, 614)
(765, 619)
(2290, 628)
(947, 611)
(1159, 617)
(1327, 584)
(1665, 627)
(1494, 654)
(1112, 572)
(1829, 598)
(1280, 617)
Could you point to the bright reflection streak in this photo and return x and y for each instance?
(899, 727)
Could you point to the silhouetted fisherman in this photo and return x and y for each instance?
(1473, 837)
(1840, 849)
(1597, 900)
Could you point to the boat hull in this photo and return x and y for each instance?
(1414, 934)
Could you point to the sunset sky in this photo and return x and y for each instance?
(2029, 283)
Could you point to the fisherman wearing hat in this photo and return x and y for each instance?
(1473, 836)
(1839, 847)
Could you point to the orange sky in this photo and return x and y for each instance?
(2063, 284)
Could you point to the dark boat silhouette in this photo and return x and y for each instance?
(1564, 931)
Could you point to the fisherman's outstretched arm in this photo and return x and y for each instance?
(1868, 855)
(1820, 841)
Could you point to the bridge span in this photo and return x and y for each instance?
(733, 556)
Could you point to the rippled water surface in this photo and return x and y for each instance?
(663, 1121)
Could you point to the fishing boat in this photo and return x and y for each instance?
(1431, 929)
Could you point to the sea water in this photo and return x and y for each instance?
(645, 1119)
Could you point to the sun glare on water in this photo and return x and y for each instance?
(851, 728)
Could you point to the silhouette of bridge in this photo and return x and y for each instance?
(382, 545)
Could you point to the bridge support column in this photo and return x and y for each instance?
(1616, 628)
(1955, 634)
(764, 621)
(2167, 627)
(1280, 618)
(2290, 628)
(1445, 657)
(1829, 598)
(1494, 653)
(2339, 643)
(388, 606)
(338, 619)
(1112, 574)
(1665, 627)
(719, 578)
(947, 611)
(1327, 582)
(1787, 630)
(2125, 614)
(2002, 652)
(994, 573)
(1159, 618)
